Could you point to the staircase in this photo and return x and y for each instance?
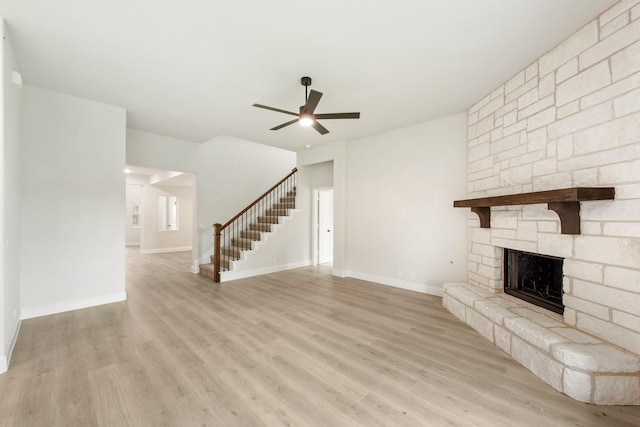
(239, 236)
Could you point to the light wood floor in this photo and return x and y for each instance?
(298, 348)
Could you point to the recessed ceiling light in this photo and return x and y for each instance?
(127, 171)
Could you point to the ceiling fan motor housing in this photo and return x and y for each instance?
(305, 81)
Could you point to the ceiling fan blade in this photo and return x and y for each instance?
(321, 129)
(337, 116)
(312, 101)
(266, 107)
(284, 124)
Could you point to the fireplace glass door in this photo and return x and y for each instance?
(534, 278)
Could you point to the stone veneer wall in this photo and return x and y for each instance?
(570, 119)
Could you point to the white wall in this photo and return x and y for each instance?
(320, 174)
(9, 203)
(133, 196)
(230, 174)
(154, 241)
(160, 152)
(402, 227)
(73, 158)
(394, 221)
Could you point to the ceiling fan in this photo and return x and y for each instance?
(306, 116)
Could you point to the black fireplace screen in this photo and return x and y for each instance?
(534, 278)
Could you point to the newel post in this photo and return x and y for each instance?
(217, 231)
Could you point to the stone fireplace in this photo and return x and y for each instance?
(570, 119)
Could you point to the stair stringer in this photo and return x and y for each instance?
(275, 251)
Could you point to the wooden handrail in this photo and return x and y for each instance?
(255, 202)
(216, 252)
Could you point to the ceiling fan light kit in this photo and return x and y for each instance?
(307, 116)
(306, 120)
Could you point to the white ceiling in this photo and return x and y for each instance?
(191, 69)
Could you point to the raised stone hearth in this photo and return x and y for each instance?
(573, 362)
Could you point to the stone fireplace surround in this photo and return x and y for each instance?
(570, 119)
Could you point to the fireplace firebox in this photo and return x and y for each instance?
(534, 278)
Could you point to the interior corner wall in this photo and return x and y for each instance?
(73, 194)
(402, 228)
(10, 211)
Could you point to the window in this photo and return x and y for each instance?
(136, 211)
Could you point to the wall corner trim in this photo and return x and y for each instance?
(5, 359)
(339, 273)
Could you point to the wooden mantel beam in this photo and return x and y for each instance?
(565, 202)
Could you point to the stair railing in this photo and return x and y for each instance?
(227, 233)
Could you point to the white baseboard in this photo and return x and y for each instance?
(5, 359)
(226, 276)
(338, 273)
(132, 244)
(397, 283)
(45, 310)
(164, 250)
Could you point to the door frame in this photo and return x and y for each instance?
(315, 237)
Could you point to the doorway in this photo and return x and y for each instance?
(324, 226)
(160, 213)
